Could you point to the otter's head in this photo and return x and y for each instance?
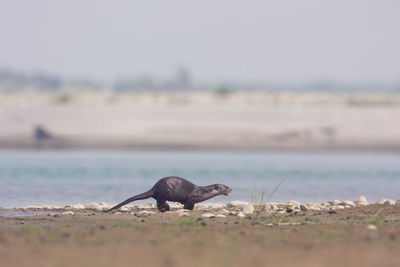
(222, 189)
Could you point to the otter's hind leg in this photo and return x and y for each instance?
(188, 206)
(162, 206)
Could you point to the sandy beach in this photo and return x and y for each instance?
(356, 236)
(202, 120)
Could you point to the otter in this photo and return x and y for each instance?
(180, 190)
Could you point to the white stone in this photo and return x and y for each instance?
(241, 215)
(67, 213)
(224, 211)
(361, 201)
(220, 216)
(245, 207)
(295, 204)
(105, 206)
(126, 208)
(183, 214)
(146, 212)
(304, 207)
(334, 202)
(372, 227)
(347, 203)
(175, 205)
(313, 206)
(340, 207)
(78, 207)
(209, 206)
(208, 215)
(381, 201)
(389, 202)
(325, 204)
(93, 206)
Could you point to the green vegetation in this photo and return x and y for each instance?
(375, 221)
(254, 199)
(186, 222)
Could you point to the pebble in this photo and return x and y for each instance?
(304, 207)
(241, 215)
(381, 201)
(325, 205)
(347, 203)
(334, 202)
(389, 202)
(175, 205)
(77, 207)
(209, 206)
(245, 207)
(295, 204)
(67, 213)
(208, 215)
(220, 216)
(312, 206)
(224, 211)
(372, 227)
(145, 213)
(93, 206)
(361, 201)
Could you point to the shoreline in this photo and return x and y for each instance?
(364, 235)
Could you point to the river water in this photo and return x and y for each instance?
(69, 177)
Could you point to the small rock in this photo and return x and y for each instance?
(209, 206)
(208, 215)
(334, 202)
(145, 213)
(347, 203)
(340, 207)
(67, 213)
(93, 206)
(381, 201)
(77, 207)
(245, 207)
(241, 215)
(361, 201)
(224, 211)
(389, 202)
(220, 216)
(325, 205)
(126, 208)
(175, 205)
(183, 214)
(295, 204)
(372, 227)
(312, 206)
(304, 207)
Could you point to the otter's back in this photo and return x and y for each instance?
(173, 188)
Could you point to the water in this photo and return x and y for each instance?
(69, 177)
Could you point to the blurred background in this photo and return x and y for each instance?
(99, 99)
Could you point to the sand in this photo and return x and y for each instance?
(202, 120)
(317, 238)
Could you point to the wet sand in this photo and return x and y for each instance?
(313, 238)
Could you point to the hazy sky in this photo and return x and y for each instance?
(344, 40)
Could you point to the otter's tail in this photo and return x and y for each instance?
(137, 197)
